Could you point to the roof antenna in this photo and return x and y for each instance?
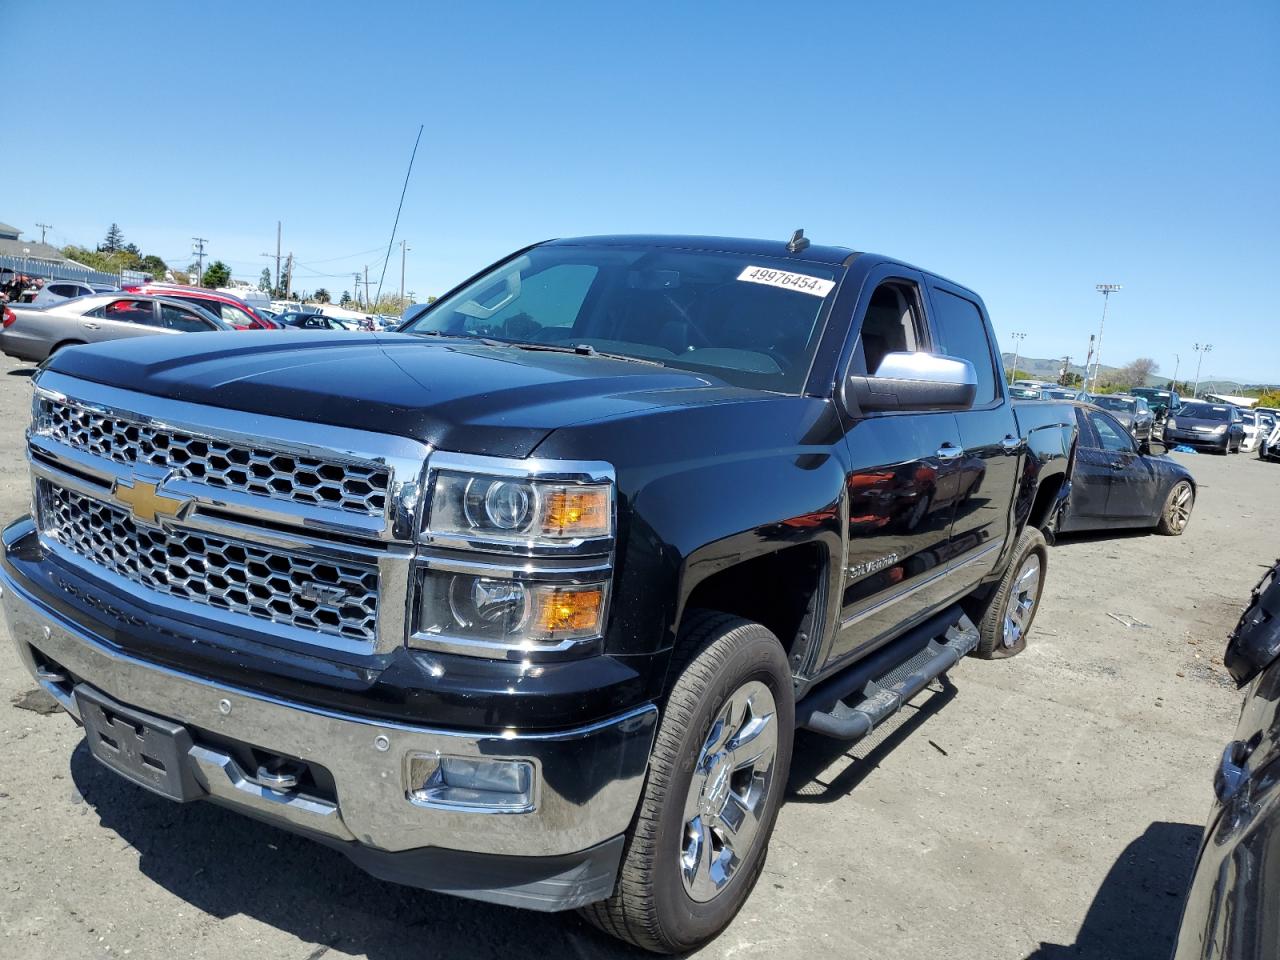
(798, 242)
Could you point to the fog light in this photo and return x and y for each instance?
(475, 784)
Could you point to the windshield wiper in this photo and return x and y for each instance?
(583, 350)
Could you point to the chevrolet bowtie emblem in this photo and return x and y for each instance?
(143, 500)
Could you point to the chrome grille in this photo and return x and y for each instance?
(339, 599)
(353, 487)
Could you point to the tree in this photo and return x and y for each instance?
(1070, 379)
(153, 265)
(264, 282)
(322, 296)
(216, 274)
(114, 240)
(346, 297)
(1135, 373)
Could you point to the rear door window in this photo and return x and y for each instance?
(963, 334)
(127, 311)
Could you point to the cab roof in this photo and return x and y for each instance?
(815, 253)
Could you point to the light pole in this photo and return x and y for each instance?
(1106, 289)
(1177, 362)
(1017, 345)
(1202, 349)
(404, 248)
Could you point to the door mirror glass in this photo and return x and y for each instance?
(1153, 448)
(915, 381)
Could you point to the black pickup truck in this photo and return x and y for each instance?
(525, 601)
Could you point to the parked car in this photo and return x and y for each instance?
(1160, 401)
(309, 321)
(1119, 482)
(1230, 908)
(33, 333)
(1211, 426)
(559, 570)
(1023, 393)
(1036, 385)
(1132, 412)
(231, 309)
(1061, 393)
(1257, 425)
(1269, 445)
(56, 291)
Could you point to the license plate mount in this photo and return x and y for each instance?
(144, 749)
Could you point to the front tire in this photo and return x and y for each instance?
(1010, 610)
(716, 779)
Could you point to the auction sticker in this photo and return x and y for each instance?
(787, 281)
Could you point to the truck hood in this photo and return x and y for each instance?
(454, 394)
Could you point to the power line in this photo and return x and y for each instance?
(396, 225)
(348, 256)
(43, 227)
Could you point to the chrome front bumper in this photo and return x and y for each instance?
(588, 780)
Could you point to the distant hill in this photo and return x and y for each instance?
(1041, 368)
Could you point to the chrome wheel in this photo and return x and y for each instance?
(1178, 512)
(729, 790)
(1022, 601)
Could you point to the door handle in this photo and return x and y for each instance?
(89, 326)
(1117, 465)
(1011, 444)
(949, 452)
(1231, 775)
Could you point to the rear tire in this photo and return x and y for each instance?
(1177, 510)
(721, 756)
(65, 343)
(1006, 619)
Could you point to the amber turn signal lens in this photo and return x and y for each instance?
(572, 610)
(577, 512)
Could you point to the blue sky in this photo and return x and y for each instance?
(1028, 150)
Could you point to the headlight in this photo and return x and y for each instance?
(514, 510)
(509, 612)
(516, 559)
(1171, 423)
(1221, 429)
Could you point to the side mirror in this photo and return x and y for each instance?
(1154, 448)
(916, 381)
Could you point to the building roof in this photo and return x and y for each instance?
(8, 232)
(29, 248)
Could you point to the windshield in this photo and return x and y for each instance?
(1123, 404)
(751, 321)
(1203, 411)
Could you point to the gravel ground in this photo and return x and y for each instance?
(1044, 807)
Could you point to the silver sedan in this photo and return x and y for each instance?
(32, 333)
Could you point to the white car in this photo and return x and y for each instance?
(56, 291)
(1269, 446)
(1256, 427)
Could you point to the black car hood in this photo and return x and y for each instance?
(454, 394)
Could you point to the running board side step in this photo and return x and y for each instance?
(889, 678)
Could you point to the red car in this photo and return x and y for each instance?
(231, 309)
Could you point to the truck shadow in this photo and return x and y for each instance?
(1135, 913)
(815, 774)
(225, 864)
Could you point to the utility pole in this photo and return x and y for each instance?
(366, 286)
(198, 252)
(43, 227)
(1088, 359)
(1106, 289)
(1066, 370)
(357, 287)
(288, 279)
(277, 254)
(404, 247)
(1017, 344)
(1177, 362)
(1202, 349)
